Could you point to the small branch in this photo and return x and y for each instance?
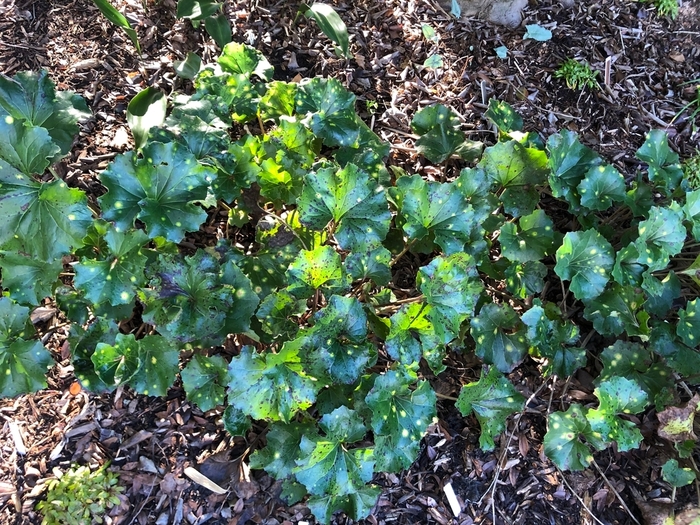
(614, 490)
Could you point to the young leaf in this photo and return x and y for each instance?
(270, 386)
(493, 399)
(518, 170)
(664, 168)
(500, 337)
(219, 29)
(157, 189)
(114, 277)
(46, 220)
(434, 62)
(203, 380)
(241, 59)
(533, 242)
(676, 476)
(349, 198)
(119, 20)
(688, 328)
(437, 208)
(429, 32)
(501, 51)
(336, 346)
(661, 236)
(585, 259)
(313, 269)
(189, 67)
(278, 101)
(146, 110)
(562, 442)
(331, 24)
(31, 96)
(438, 127)
(400, 418)
(82, 346)
(411, 334)
(601, 186)
(330, 110)
(24, 363)
(452, 287)
(617, 395)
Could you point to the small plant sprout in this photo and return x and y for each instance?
(577, 75)
(694, 104)
(666, 8)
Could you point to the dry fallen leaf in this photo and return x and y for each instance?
(676, 423)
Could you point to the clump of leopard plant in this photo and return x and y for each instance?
(80, 496)
(691, 171)
(331, 353)
(577, 75)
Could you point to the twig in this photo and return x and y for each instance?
(580, 500)
(617, 494)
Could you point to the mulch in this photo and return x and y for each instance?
(150, 441)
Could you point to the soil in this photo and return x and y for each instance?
(151, 441)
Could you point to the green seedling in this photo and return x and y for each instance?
(577, 75)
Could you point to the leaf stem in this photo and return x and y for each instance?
(443, 396)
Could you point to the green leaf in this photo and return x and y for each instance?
(602, 186)
(562, 443)
(429, 33)
(219, 29)
(195, 300)
(46, 220)
(278, 457)
(503, 115)
(204, 379)
(157, 189)
(451, 286)
(517, 170)
(114, 277)
(434, 62)
(500, 337)
(236, 422)
(585, 259)
(627, 269)
(119, 20)
(523, 280)
(493, 399)
(357, 505)
(270, 386)
(374, 264)
(501, 51)
(83, 342)
(438, 127)
(400, 418)
(617, 396)
(352, 201)
(146, 110)
(336, 346)
(331, 24)
(325, 466)
(241, 59)
(688, 328)
(633, 361)
(278, 101)
(676, 476)
(436, 208)
(31, 96)
(661, 236)
(275, 314)
(330, 111)
(188, 68)
(196, 9)
(24, 363)
(313, 269)
(411, 334)
(30, 149)
(534, 241)
(617, 310)
(28, 279)
(537, 32)
(569, 161)
(664, 168)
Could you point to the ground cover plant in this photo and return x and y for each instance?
(326, 352)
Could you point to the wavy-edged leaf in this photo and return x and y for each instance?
(569, 161)
(30, 149)
(617, 310)
(526, 279)
(661, 236)
(330, 111)
(28, 280)
(688, 328)
(313, 269)
(270, 386)
(440, 136)
(158, 189)
(24, 362)
(602, 186)
(533, 240)
(276, 312)
(500, 336)
(400, 418)
(562, 442)
(374, 264)
(493, 399)
(204, 379)
(503, 116)
(664, 168)
(354, 202)
(412, 335)
(586, 259)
